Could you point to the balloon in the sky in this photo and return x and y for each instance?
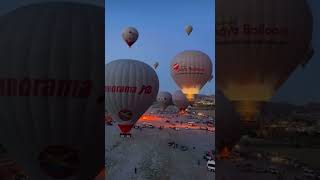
(191, 70)
(180, 100)
(130, 35)
(155, 65)
(188, 29)
(131, 87)
(165, 99)
(51, 85)
(211, 77)
(256, 51)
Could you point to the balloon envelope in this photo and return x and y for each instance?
(165, 99)
(256, 51)
(191, 70)
(130, 35)
(188, 29)
(180, 100)
(51, 84)
(131, 87)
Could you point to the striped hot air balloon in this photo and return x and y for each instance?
(130, 35)
(180, 100)
(259, 44)
(131, 87)
(51, 84)
(165, 99)
(191, 70)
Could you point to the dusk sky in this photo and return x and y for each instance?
(303, 86)
(161, 33)
(161, 25)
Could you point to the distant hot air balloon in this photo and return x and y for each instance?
(165, 99)
(257, 51)
(131, 87)
(211, 77)
(130, 35)
(180, 100)
(188, 29)
(155, 65)
(51, 84)
(191, 70)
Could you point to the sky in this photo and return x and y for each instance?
(161, 33)
(303, 86)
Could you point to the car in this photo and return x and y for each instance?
(167, 121)
(177, 129)
(207, 157)
(171, 143)
(211, 165)
(150, 126)
(136, 126)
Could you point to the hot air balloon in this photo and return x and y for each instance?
(180, 100)
(188, 29)
(51, 78)
(191, 70)
(130, 35)
(131, 87)
(165, 99)
(257, 51)
(227, 125)
(155, 65)
(211, 77)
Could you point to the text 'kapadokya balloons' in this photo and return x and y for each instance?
(165, 99)
(191, 70)
(257, 52)
(51, 87)
(180, 100)
(130, 35)
(188, 29)
(131, 87)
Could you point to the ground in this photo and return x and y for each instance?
(148, 151)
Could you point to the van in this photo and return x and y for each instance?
(211, 165)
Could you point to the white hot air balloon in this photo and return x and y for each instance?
(165, 99)
(191, 70)
(188, 29)
(180, 100)
(131, 87)
(155, 65)
(51, 89)
(130, 35)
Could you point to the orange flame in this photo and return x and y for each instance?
(225, 153)
(149, 118)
